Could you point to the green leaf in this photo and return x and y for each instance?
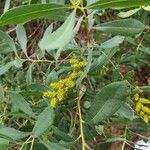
(35, 90)
(29, 74)
(7, 39)
(7, 5)
(48, 30)
(128, 13)
(13, 133)
(62, 135)
(1, 93)
(104, 58)
(126, 27)
(4, 144)
(3, 141)
(126, 111)
(118, 4)
(18, 101)
(107, 101)
(17, 63)
(62, 36)
(37, 87)
(145, 88)
(22, 37)
(87, 68)
(52, 77)
(44, 121)
(5, 68)
(27, 13)
(54, 146)
(113, 42)
(146, 8)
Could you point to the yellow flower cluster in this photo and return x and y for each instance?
(62, 87)
(142, 107)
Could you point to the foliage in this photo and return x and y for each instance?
(72, 71)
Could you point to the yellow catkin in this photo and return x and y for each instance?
(62, 87)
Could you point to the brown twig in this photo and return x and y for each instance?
(80, 95)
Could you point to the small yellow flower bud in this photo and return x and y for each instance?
(61, 94)
(62, 81)
(145, 118)
(138, 107)
(136, 97)
(82, 64)
(51, 94)
(80, 73)
(70, 84)
(144, 101)
(54, 85)
(142, 113)
(76, 66)
(145, 109)
(74, 61)
(45, 94)
(73, 75)
(53, 102)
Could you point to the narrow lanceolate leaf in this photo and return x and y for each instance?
(126, 27)
(7, 39)
(119, 4)
(29, 74)
(22, 37)
(107, 101)
(13, 133)
(126, 111)
(128, 13)
(1, 93)
(19, 101)
(3, 141)
(7, 5)
(26, 13)
(53, 146)
(44, 121)
(113, 42)
(59, 38)
(52, 77)
(5, 68)
(104, 58)
(48, 31)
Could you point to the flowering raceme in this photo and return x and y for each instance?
(62, 87)
(142, 107)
